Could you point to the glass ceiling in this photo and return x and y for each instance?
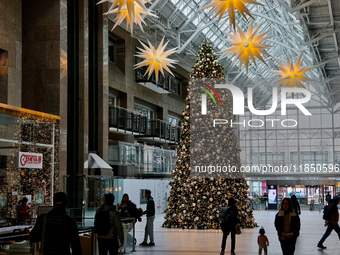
(287, 34)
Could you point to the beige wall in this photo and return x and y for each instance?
(11, 41)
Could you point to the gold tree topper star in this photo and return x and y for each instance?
(247, 45)
(156, 59)
(137, 18)
(291, 74)
(220, 7)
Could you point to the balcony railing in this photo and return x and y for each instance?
(140, 125)
(167, 82)
(143, 159)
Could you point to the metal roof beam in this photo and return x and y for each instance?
(320, 37)
(328, 61)
(334, 92)
(330, 79)
(322, 22)
(299, 7)
(332, 24)
(193, 36)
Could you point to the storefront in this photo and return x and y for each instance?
(29, 159)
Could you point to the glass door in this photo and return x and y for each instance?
(313, 194)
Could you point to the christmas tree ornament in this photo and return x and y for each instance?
(246, 45)
(219, 7)
(291, 74)
(156, 59)
(136, 18)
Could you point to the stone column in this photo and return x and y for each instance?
(10, 52)
(103, 82)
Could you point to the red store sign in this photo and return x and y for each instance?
(30, 160)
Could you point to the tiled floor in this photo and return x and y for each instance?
(178, 242)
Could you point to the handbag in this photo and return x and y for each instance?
(238, 229)
(40, 248)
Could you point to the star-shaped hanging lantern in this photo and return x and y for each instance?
(129, 4)
(221, 6)
(137, 18)
(156, 59)
(130, 10)
(291, 74)
(247, 45)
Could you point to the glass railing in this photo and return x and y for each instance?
(123, 119)
(166, 82)
(145, 159)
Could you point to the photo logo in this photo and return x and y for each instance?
(213, 90)
(238, 100)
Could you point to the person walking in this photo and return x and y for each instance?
(108, 227)
(265, 196)
(228, 224)
(150, 217)
(296, 204)
(56, 230)
(328, 197)
(331, 221)
(287, 224)
(262, 241)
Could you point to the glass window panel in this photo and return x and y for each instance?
(326, 120)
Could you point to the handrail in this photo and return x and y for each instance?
(81, 230)
(166, 82)
(126, 120)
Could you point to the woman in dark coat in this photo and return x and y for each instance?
(287, 224)
(127, 208)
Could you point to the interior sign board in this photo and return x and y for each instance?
(30, 160)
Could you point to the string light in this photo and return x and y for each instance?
(34, 132)
(194, 203)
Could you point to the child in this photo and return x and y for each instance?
(262, 241)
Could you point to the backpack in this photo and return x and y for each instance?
(224, 214)
(102, 224)
(327, 211)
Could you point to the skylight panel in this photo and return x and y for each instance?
(186, 11)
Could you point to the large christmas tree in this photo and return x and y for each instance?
(195, 201)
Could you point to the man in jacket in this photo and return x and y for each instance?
(150, 217)
(332, 219)
(109, 241)
(228, 225)
(60, 229)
